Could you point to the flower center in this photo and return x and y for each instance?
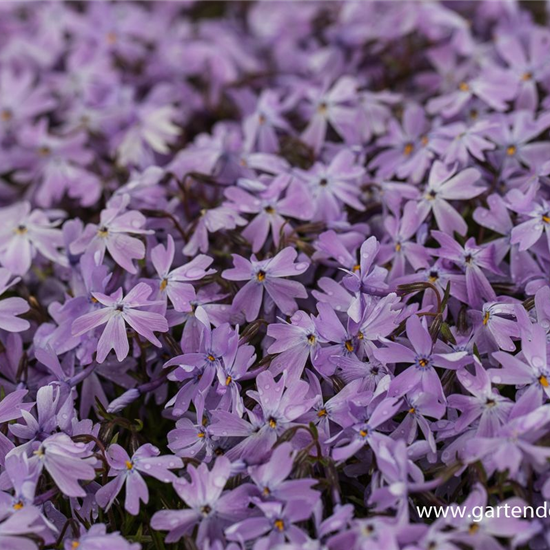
(44, 151)
(102, 231)
(75, 544)
(260, 276)
(272, 422)
(321, 413)
(363, 433)
(279, 525)
(397, 247)
(205, 510)
(511, 150)
(269, 210)
(423, 362)
(486, 317)
(228, 380)
(20, 230)
(163, 284)
(311, 339)
(18, 505)
(323, 182)
(6, 115)
(349, 345)
(412, 410)
(546, 218)
(463, 87)
(409, 148)
(527, 76)
(543, 381)
(129, 465)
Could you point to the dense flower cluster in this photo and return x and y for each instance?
(273, 274)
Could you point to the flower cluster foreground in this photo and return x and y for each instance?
(273, 275)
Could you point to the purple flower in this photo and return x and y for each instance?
(113, 233)
(175, 284)
(275, 527)
(24, 233)
(473, 260)
(66, 462)
(10, 308)
(422, 358)
(267, 275)
(210, 507)
(334, 106)
(445, 184)
(116, 313)
(271, 479)
(127, 471)
(97, 537)
(271, 209)
(333, 185)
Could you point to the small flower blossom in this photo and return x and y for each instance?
(117, 311)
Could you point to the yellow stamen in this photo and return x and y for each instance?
(201, 435)
(486, 317)
(511, 150)
(44, 151)
(266, 492)
(321, 413)
(75, 544)
(474, 528)
(311, 339)
(228, 380)
(6, 115)
(94, 300)
(111, 38)
(260, 276)
(463, 87)
(424, 140)
(280, 524)
(412, 410)
(409, 147)
(543, 381)
(349, 345)
(356, 267)
(398, 247)
(322, 108)
(527, 76)
(20, 230)
(272, 423)
(211, 358)
(102, 232)
(129, 465)
(163, 284)
(269, 210)
(363, 433)
(360, 336)
(18, 505)
(546, 219)
(423, 362)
